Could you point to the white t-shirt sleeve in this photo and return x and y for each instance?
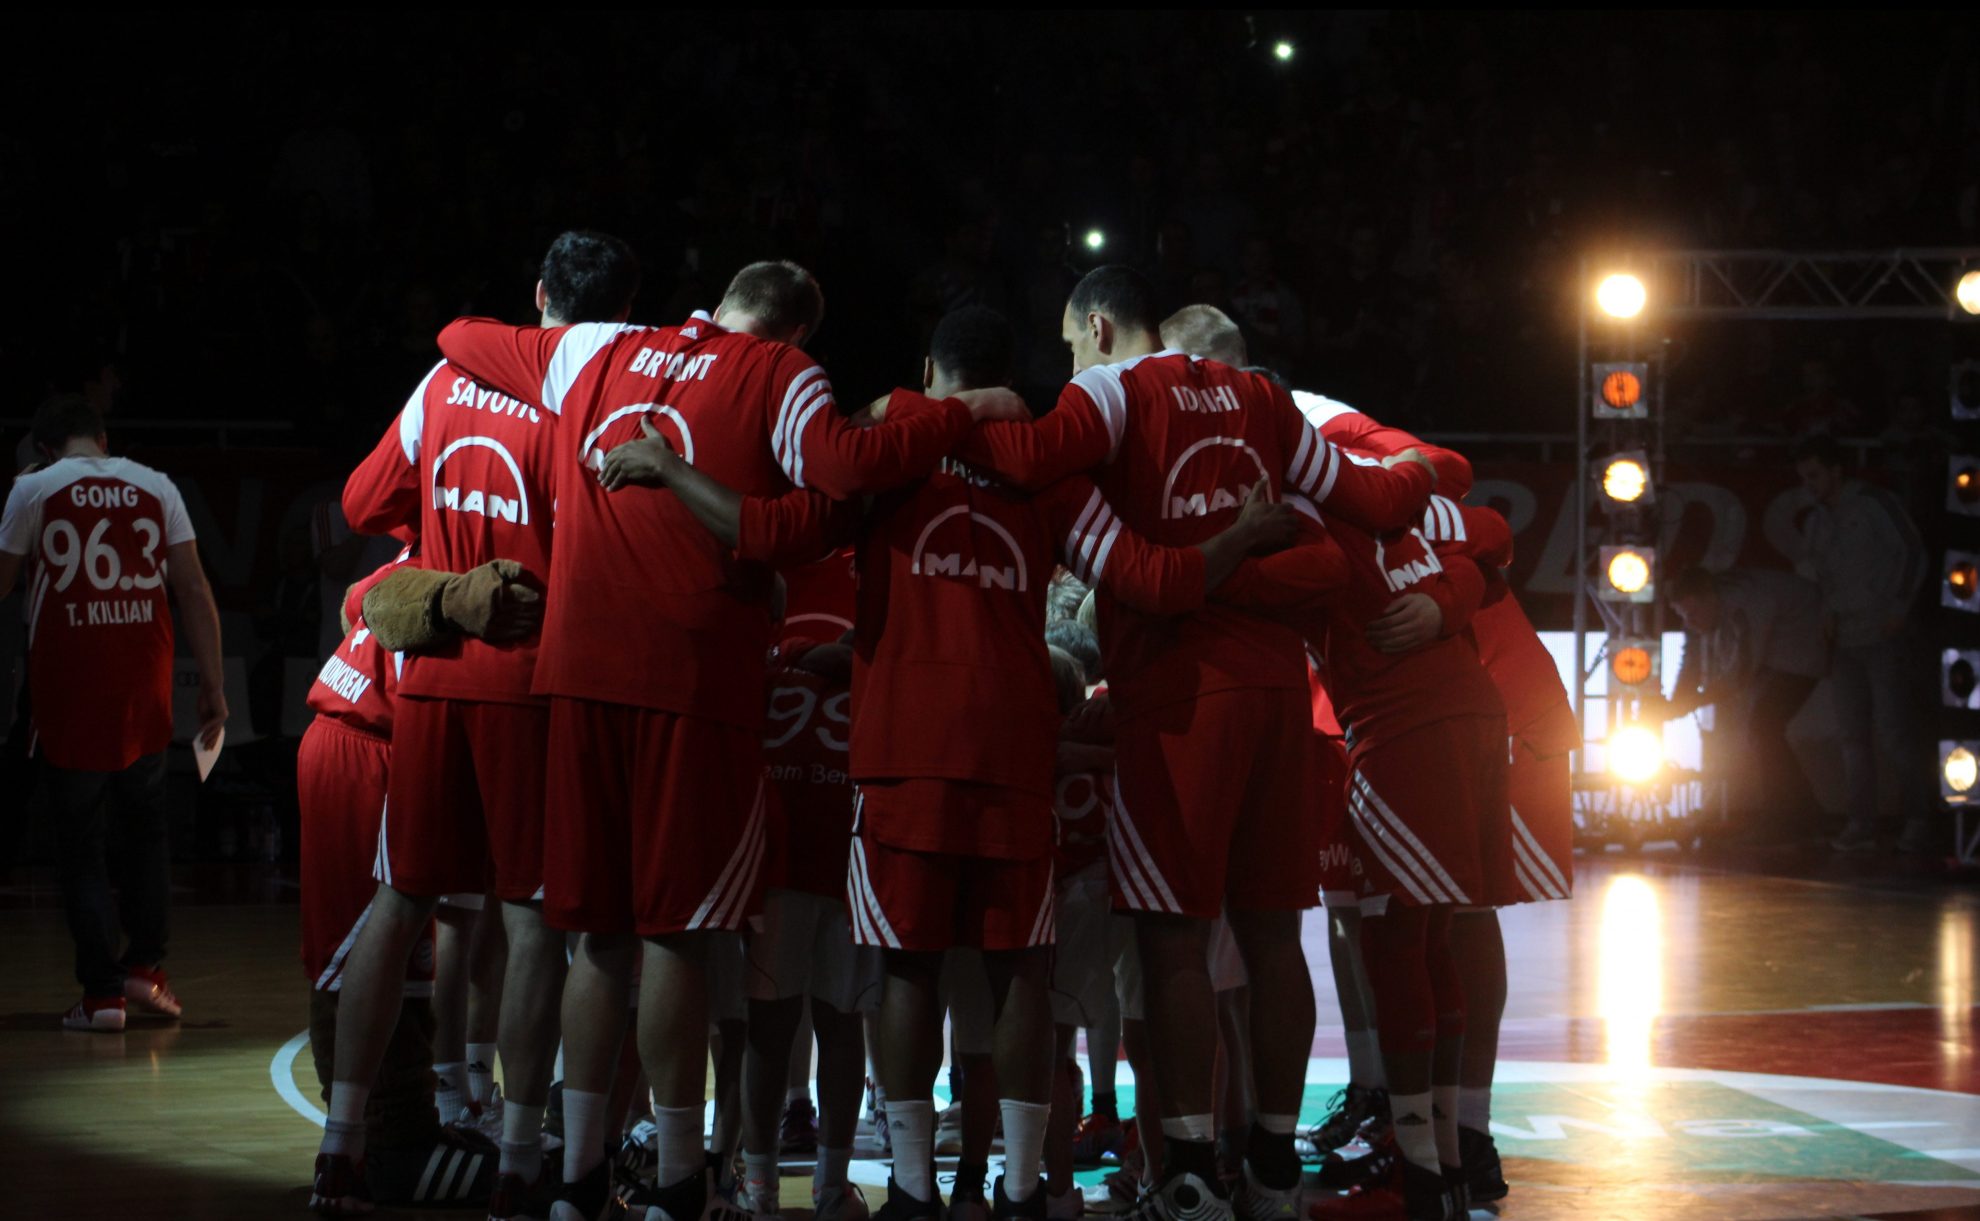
(21, 521)
(178, 523)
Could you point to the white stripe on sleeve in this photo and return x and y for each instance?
(412, 417)
(782, 434)
(574, 353)
(1102, 384)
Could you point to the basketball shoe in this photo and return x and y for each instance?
(103, 1014)
(149, 990)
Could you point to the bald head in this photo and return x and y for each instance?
(1207, 332)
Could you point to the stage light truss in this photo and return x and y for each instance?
(1780, 284)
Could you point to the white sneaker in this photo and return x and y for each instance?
(1253, 1201)
(1183, 1198)
(1067, 1207)
(485, 1118)
(948, 1131)
(840, 1202)
(746, 1204)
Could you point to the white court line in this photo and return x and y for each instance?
(281, 1070)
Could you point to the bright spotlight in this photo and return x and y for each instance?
(1095, 240)
(1967, 294)
(1963, 485)
(1621, 295)
(1959, 771)
(1629, 574)
(1636, 754)
(1959, 588)
(1626, 478)
(1283, 51)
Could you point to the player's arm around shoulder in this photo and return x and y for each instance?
(1301, 578)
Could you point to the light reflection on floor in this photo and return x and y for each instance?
(1678, 1043)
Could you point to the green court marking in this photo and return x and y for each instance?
(1679, 1131)
(1697, 1131)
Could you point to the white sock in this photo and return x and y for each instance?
(1475, 1108)
(480, 1072)
(343, 1129)
(1278, 1125)
(911, 1124)
(1024, 1146)
(763, 1179)
(1444, 1105)
(450, 1094)
(1365, 1058)
(522, 1142)
(1416, 1134)
(797, 1093)
(584, 1133)
(1190, 1127)
(676, 1141)
(830, 1170)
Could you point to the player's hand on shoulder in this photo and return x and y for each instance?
(1412, 454)
(646, 462)
(994, 403)
(1407, 624)
(1268, 525)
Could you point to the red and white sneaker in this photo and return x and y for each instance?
(149, 990)
(104, 1014)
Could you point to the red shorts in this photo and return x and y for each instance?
(961, 818)
(901, 899)
(1213, 805)
(467, 799)
(1541, 792)
(655, 821)
(1430, 818)
(341, 775)
(1340, 865)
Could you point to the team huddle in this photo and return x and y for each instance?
(802, 717)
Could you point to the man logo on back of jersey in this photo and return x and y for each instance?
(592, 455)
(932, 559)
(487, 502)
(1178, 498)
(1410, 571)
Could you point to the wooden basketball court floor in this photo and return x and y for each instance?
(1680, 1043)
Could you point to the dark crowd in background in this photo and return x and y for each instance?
(1395, 213)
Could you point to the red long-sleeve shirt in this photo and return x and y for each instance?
(951, 677)
(644, 606)
(1177, 444)
(1343, 578)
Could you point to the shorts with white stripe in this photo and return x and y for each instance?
(341, 785)
(1213, 805)
(654, 822)
(928, 901)
(1542, 795)
(1429, 816)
